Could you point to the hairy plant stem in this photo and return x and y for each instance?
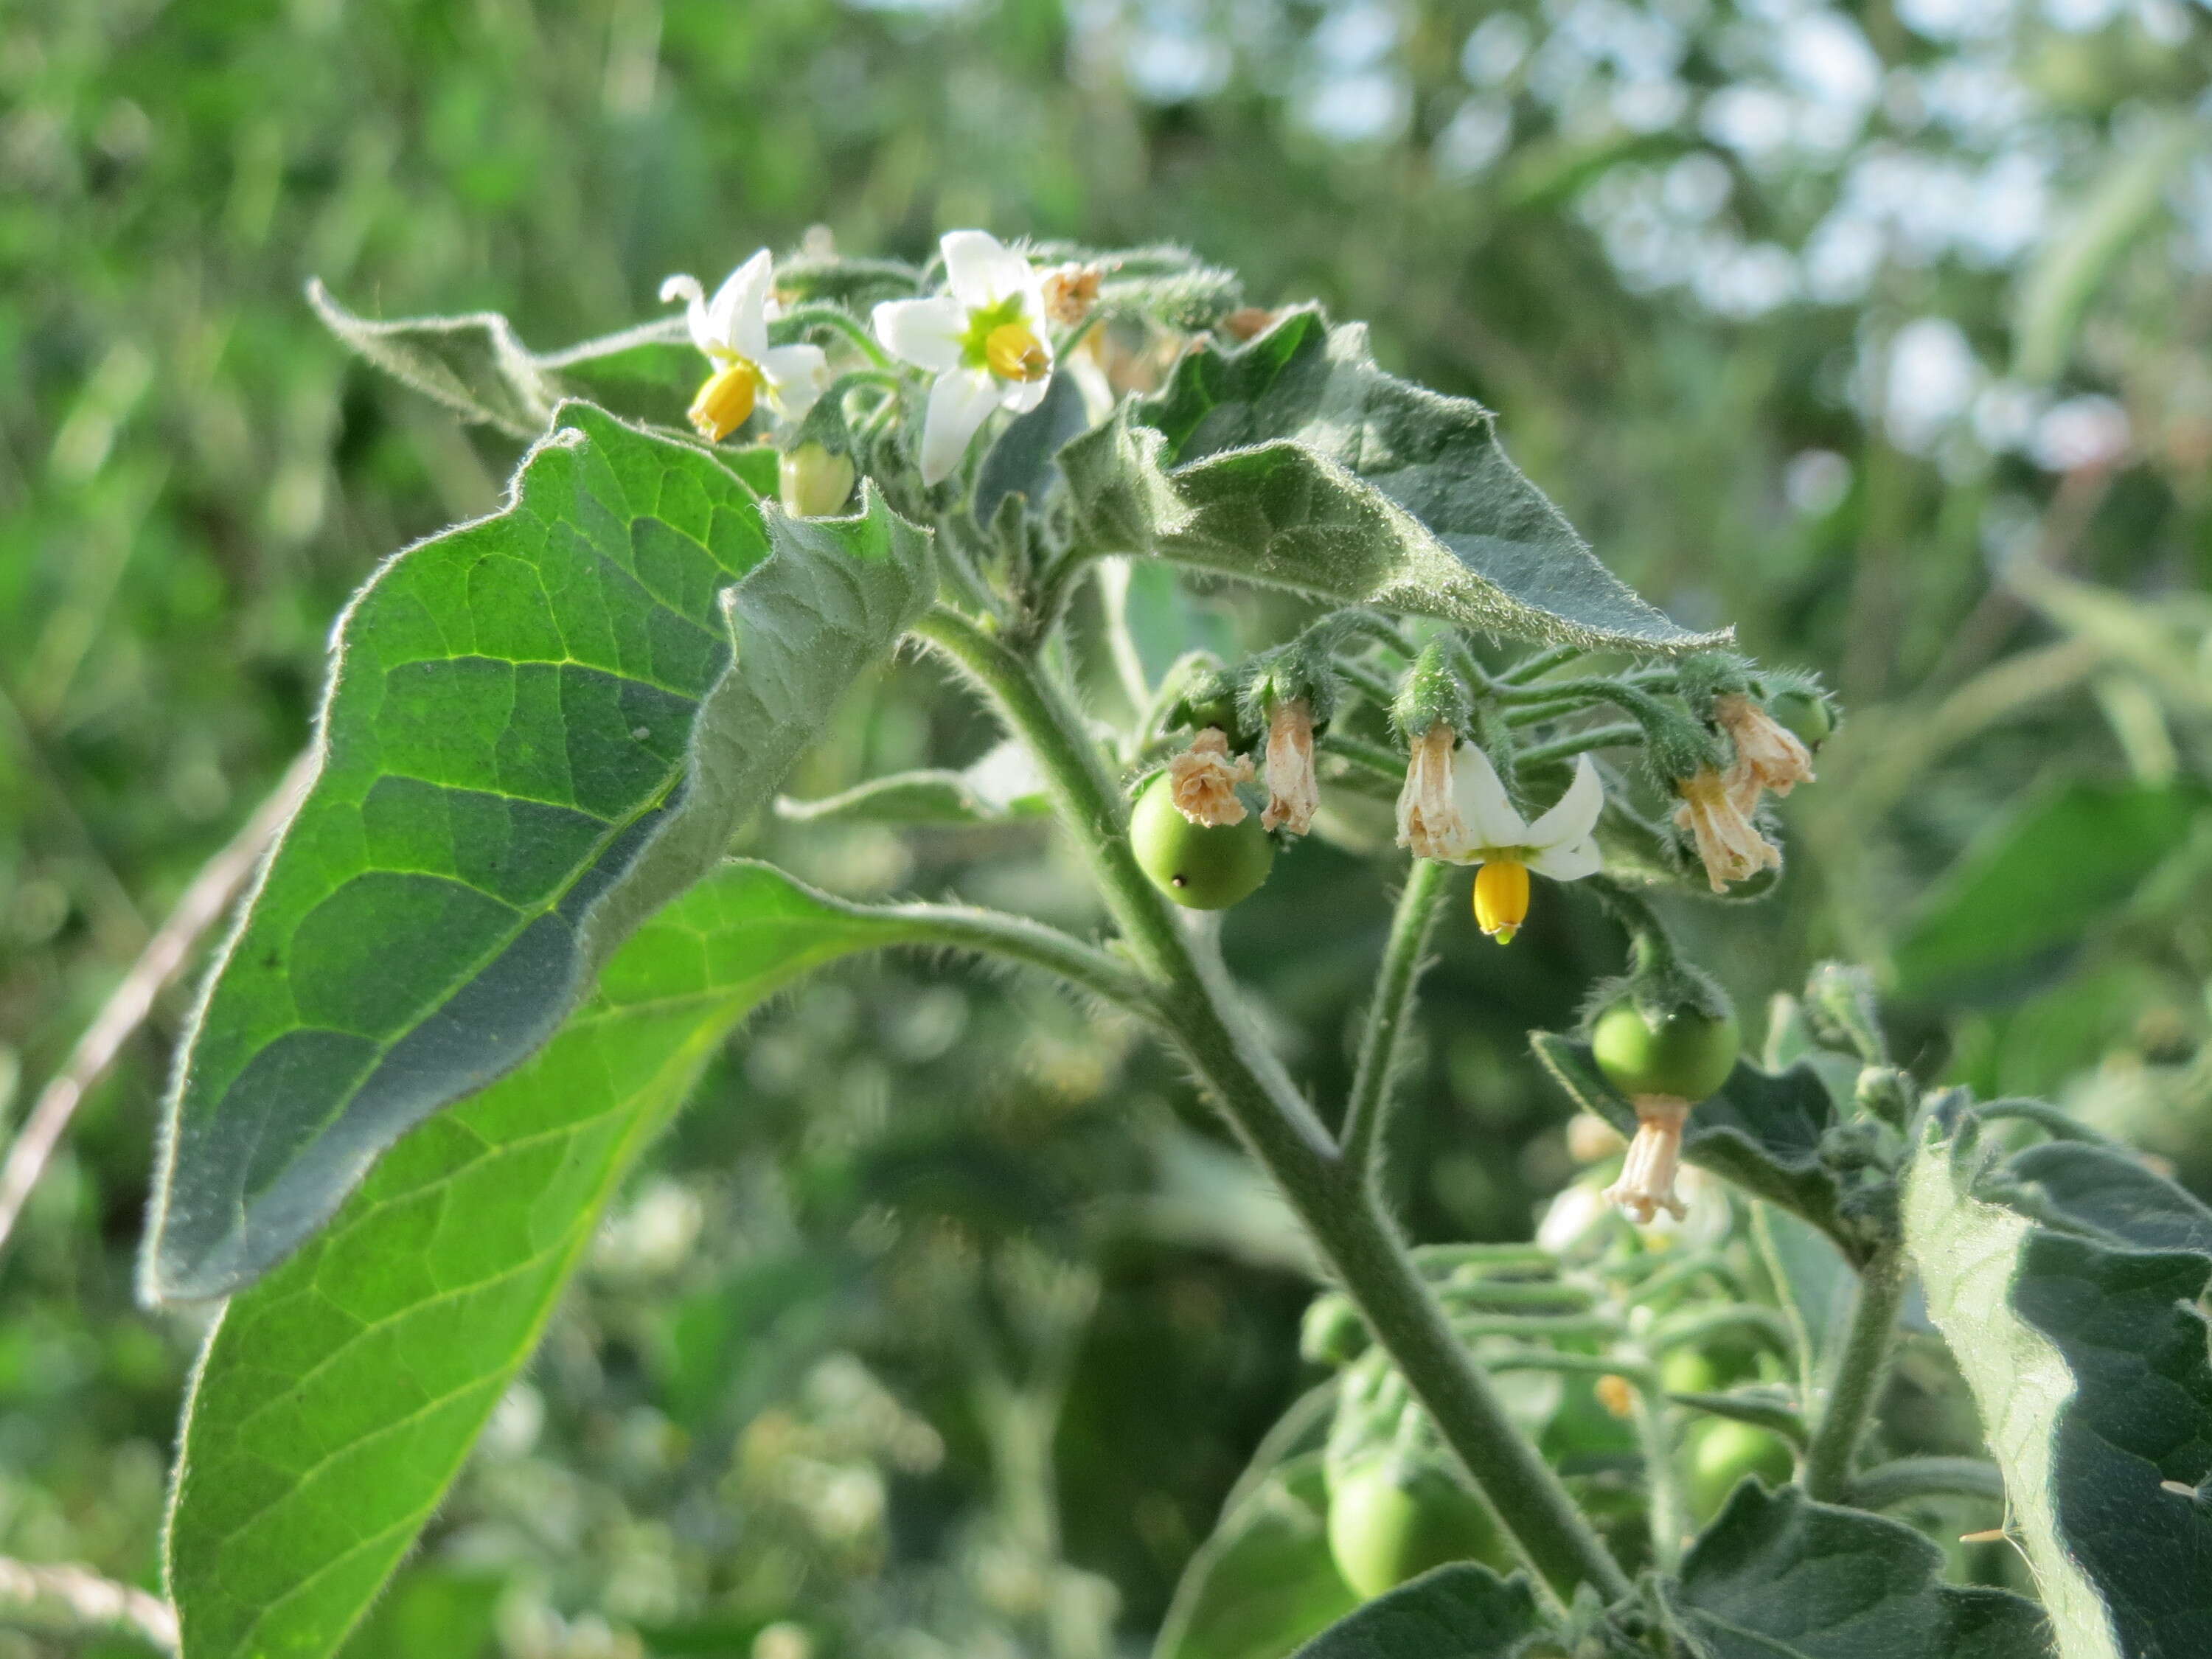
(1391, 1010)
(1338, 1204)
(1670, 1509)
(1855, 1381)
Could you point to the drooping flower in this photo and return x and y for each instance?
(1729, 843)
(1768, 754)
(1559, 844)
(1647, 1175)
(1202, 781)
(1429, 820)
(985, 337)
(732, 329)
(1293, 792)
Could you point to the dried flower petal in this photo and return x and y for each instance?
(1729, 844)
(1202, 781)
(1293, 791)
(1647, 1177)
(1429, 818)
(1768, 754)
(1070, 291)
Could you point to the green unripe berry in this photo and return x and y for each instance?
(1722, 1452)
(1805, 714)
(1687, 1055)
(1389, 1523)
(1200, 867)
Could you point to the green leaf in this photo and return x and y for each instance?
(1460, 1612)
(2082, 852)
(476, 366)
(540, 727)
(1025, 460)
(2089, 1364)
(1264, 1581)
(1776, 1575)
(2110, 1193)
(336, 1399)
(1296, 461)
(1762, 1131)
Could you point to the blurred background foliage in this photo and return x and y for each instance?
(944, 1322)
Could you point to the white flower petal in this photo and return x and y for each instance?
(981, 271)
(960, 403)
(796, 375)
(1022, 395)
(1569, 862)
(1483, 803)
(1576, 815)
(737, 316)
(687, 289)
(925, 332)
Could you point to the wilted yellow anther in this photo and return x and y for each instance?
(812, 482)
(726, 402)
(1015, 354)
(1501, 899)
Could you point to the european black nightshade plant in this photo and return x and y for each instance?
(499, 937)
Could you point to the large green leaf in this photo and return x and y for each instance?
(1264, 1581)
(2089, 1363)
(2082, 852)
(337, 1397)
(2111, 1193)
(1462, 1611)
(476, 366)
(1294, 460)
(1776, 1575)
(540, 727)
(1762, 1131)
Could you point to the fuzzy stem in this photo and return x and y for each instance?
(1861, 1369)
(1391, 1012)
(1337, 1206)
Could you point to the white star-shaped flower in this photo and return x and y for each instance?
(985, 338)
(1559, 844)
(732, 329)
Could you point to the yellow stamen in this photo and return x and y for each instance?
(1501, 899)
(726, 402)
(1016, 354)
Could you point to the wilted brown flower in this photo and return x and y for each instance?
(1202, 781)
(1293, 791)
(1768, 754)
(1647, 1177)
(1429, 818)
(1070, 291)
(1729, 844)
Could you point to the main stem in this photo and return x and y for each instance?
(1862, 1369)
(1334, 1200)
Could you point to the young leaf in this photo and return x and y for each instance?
(2090, 1365)
(1297, 461)
(1776, 1575)
(336, 1399)
(1462, 1611)
(1264, 1581)
(540, 727)
(1762, 1131)
(476, 366)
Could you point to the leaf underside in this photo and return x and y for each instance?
(1776, 1575)
(2088, 1360)
(336, 1398)
(1295, 460)
(541, 726)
